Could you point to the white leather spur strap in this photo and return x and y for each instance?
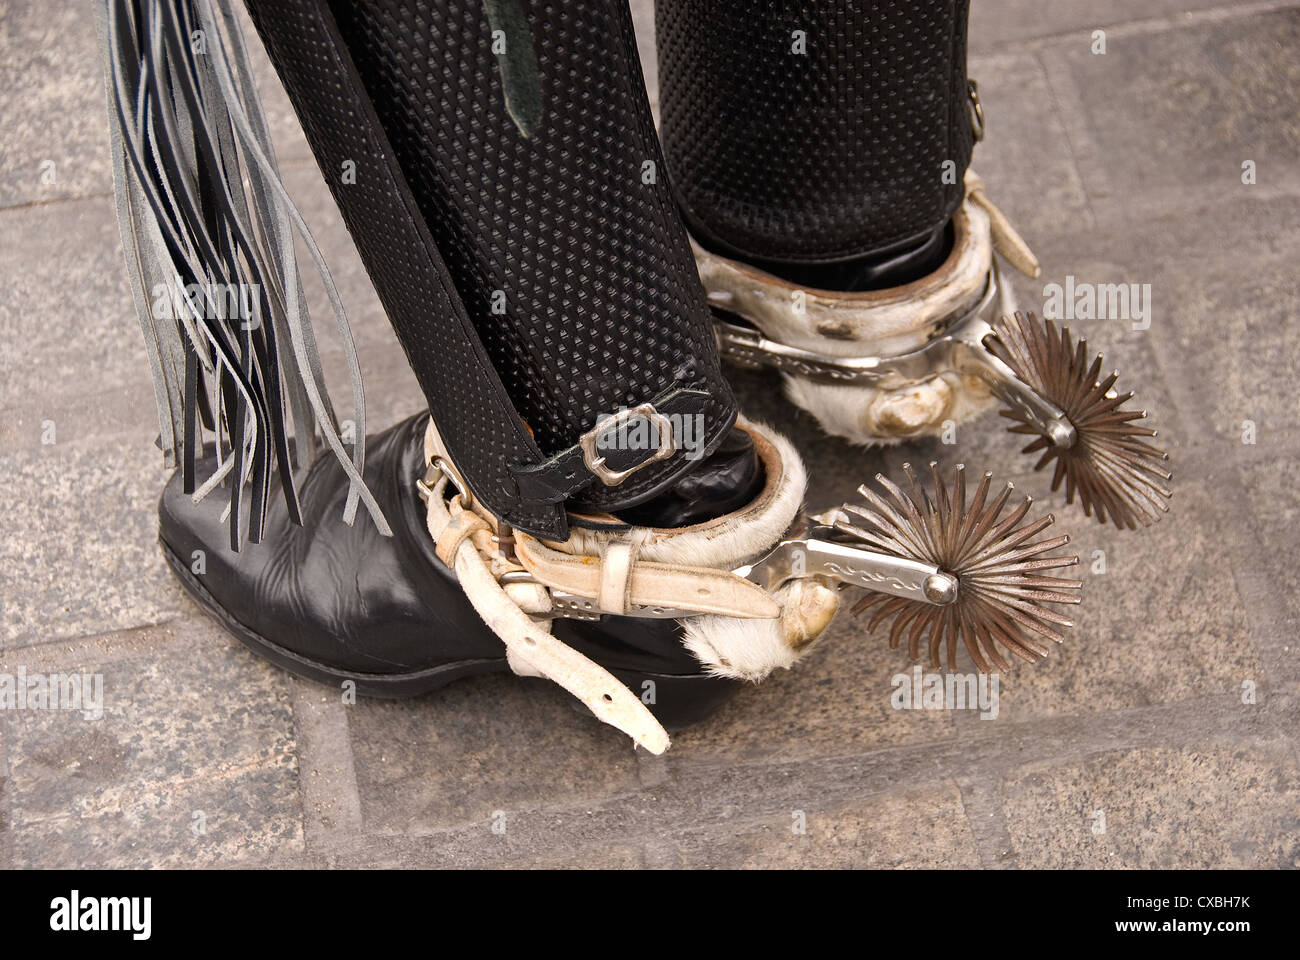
(622, 584)
(734, 624)
(1006, 238)
(454, 528)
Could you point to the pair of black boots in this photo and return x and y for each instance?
(580, 476)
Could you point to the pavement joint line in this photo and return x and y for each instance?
(128, 409)
(6, 797)
(1264, 608)
(1033, 731)
(988, 824)
(54, 201)
(331, 803)
(1165, 203)
(1146, 25)
(980, 806)
(657, 856)
(1063, 117)
(651, 770)
(289, 164)
(112, 646)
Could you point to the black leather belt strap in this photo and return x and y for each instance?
(617, 446)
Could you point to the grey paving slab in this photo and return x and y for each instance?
(1220, 805)
(125, 412)
(1152, 628)
(1026, 158)
(193, 760)
(1001, 23)
(73, 345)
(1220, 347)
(1229, 296)
(69, 322)
(56, 130)
(79, 553)
(54, 105)
(608, 857)
(714, 801)
(922, 828)
(485, 746)
(1168, 118)
(6, 820)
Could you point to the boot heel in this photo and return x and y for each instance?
(679, 701)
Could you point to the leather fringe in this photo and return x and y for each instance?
(208, 232)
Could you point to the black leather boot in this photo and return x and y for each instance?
(335, 602)
(488, 160)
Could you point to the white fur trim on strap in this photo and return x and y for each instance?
(751, 649)
(740, 649)
(879, 323)
(873, 417)
(870, 323)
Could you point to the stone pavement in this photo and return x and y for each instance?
(1162, 734)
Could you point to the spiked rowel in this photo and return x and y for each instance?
(997, 564)
(1109, 466)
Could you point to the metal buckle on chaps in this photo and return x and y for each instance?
(596, 463)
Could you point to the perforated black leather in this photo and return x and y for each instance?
(830, 155)
(453, 202)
